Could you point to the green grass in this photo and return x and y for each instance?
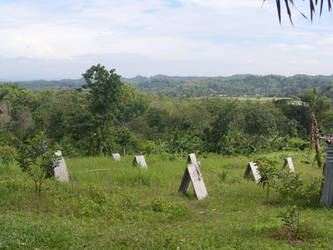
(253, 99)
(111, 205)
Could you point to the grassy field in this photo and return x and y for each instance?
(111, 205)
(258, 99)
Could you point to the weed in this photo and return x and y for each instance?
(291, 220)
(222, 175)
(170, 209)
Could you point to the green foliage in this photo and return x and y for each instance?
(150, 147)
(260, 122)
(37, 151)
(7, 155)
(38, 175)
(104, 95)
(293, 190)
(223, 175)
(237, 85)
(94, 202)
(108, 116)
(169, 209)
(291, 220)
(38, 160)
(290, 144)
(106, 207)
(268, 173)
(124, 138)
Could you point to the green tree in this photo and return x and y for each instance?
(7, 155)
(268, 174)
(124, 138)
(316, 103)
(104, 93)
(37, 151)
(38, 175)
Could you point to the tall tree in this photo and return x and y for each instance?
(316, 104)
(104, 93)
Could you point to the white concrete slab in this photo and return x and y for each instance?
(140, 160)
(252, 168)
(193, 174)
(116, 156)
(61, 172)
(289, 161)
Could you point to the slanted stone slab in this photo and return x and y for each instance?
(252, 168)
(140, 160)
(61, 172)
(289, 161)
(116, 156)
(326, 198)
(193, 174)
(191, 158)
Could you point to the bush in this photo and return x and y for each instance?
(292, 190)
(37, 150)
(268, 173)
(7, 154)
(223, 175)
(288, 144)
(170, 209)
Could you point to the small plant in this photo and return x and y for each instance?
(292, 189)
(94, 202)
(149, 147)
(38, 175)
(291, 220)
(37, 148)
(267, 172)
(223, 175)
(7, 154)
(170, 209)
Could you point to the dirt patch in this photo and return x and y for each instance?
(288, 235)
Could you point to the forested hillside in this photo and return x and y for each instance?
(237, 85)
(107, 115)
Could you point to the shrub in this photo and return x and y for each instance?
(292, 190)
(291, 221)
(37, 150)
(268, 173)
(37, 174)
(170, 209)
(7, 154)
(223, 175)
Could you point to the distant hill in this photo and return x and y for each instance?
(42, 84)
(236, 85)
(192, 86)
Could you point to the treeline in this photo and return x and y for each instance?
(184, 87)
(107, 115)
(237, 85)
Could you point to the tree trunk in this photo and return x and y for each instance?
(90, 145)
(315, 137)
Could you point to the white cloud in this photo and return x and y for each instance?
(235, 36)
(225, 4)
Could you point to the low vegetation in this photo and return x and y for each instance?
(110, 204)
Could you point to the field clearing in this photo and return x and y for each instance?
(110, 204)
(256, 99)
(244, 99)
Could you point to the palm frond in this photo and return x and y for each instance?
(313, 4)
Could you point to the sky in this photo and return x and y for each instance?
(60, 39)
